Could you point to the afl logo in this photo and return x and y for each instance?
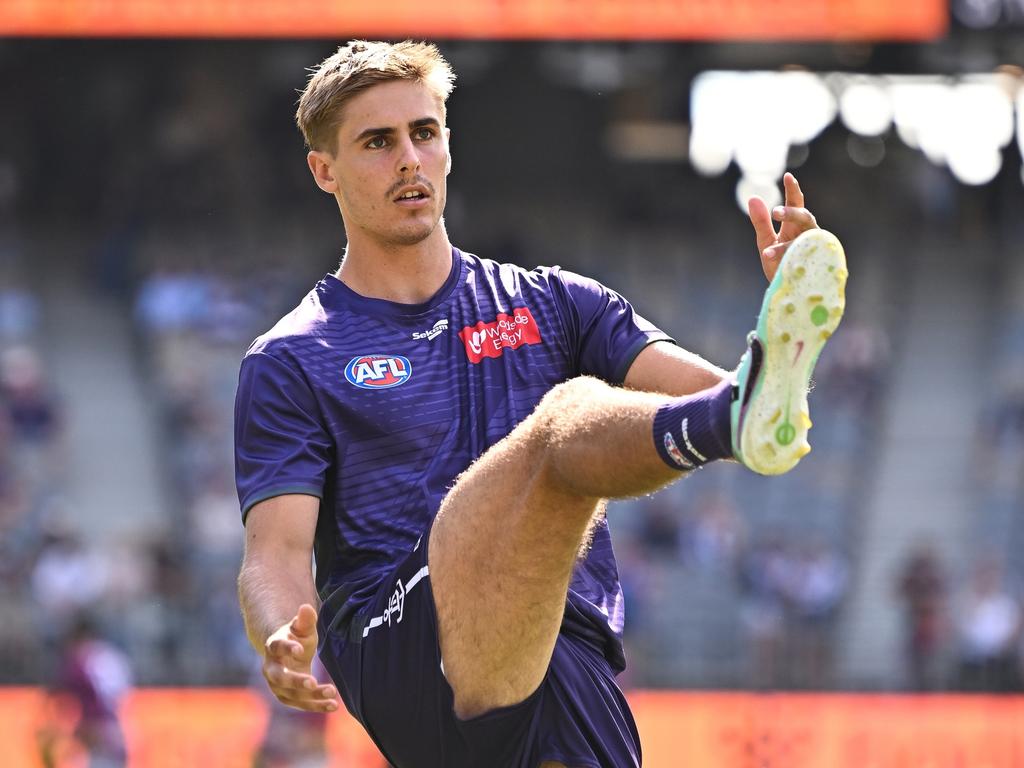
(378, 371)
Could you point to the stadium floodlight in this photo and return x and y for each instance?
(866, 107)
(765, 187)
(931, 120)
(961, 122)
(812, 106)
(1020, 122)
(709, 154)
(911, 97)
(986, 108)
(975, 164)
(716, 111)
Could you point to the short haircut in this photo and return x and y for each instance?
(354, 68)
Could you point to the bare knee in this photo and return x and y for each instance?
(562, 414)
(572, 395)
(564, 421)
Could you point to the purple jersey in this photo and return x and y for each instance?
(376, 407)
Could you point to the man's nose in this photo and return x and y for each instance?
(408, 157)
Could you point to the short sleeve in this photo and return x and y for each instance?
(281, 443)
(609, 332)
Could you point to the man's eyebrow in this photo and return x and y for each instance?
(425, 121)
(369, 132)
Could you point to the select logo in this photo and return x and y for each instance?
(378, 371)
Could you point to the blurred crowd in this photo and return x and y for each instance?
(730, 580)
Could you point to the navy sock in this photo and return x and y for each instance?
(691, 431)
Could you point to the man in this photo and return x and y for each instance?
(96, 675)
(434, 426)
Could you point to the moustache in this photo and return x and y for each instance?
(406, 182)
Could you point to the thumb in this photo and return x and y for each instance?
(304, 623)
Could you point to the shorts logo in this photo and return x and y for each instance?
(506, 332)
(396, 605)
(378, 371)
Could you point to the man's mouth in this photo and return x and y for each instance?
(412, 193)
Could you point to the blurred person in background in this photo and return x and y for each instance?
(33, 415)
(68, 577)
(764, 569)
(491, 633)
(922, 588)
(95, 674)
(714, 533)
(815, 592)
(988, 620)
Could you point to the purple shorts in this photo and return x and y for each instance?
(386, 663)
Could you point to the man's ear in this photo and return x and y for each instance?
(320, 166)
(448, 142)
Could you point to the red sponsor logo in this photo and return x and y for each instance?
(506, 332)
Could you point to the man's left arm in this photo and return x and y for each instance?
(667, 369)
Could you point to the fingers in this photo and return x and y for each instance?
(299, 690)
(279, 676)
(794, 221)
(794, 195)
(794, 216)
(279, 647)
(770, 258)
(309, 705)
(798, 217)
(764, 230)
(775, 252)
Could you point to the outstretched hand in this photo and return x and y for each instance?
(288, 661)
(795, 221)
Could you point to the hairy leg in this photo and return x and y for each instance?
(507, 536)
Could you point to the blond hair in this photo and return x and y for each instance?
(360, 65)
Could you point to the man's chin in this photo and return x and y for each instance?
(413, 235)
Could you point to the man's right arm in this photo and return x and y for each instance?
(278, 598)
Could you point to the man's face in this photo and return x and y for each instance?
(391, 165)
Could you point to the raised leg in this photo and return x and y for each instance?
(507, 536)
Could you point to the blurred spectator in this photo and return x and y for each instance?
(922, 588)
(95, 674)
(988, 622)
(763, 571)
(713, 533)
(31, 407)
(215, 543)
(172, 586)
(659, 530)
(32, 418)
(19, 313)
(67, 578)
(818, 581)
(855, 366)
(171, 301)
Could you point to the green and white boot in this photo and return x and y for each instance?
(801, 309)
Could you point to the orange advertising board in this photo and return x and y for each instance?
(186, 728)
(483, 19)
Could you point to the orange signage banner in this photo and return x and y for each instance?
(181, 728)
(483, 19)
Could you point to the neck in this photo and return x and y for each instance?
(406, 274)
